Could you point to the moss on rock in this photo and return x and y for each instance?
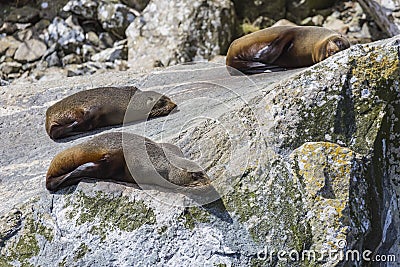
(108, 213)
(193, 215)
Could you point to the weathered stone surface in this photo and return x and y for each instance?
(111, 54)
(84, 8)
(303, 160)
(8, 42)
(23, 15)
(30, 50)
(300, 9)
(71, 59)
(10, 67)
(198, 31)
(254, 8)
(115, 18)
(67, 33)
(8, 27)
(385, 13)
(139, 5)
(53, 60)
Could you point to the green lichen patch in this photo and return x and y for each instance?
(193, 215)
(81, 251)
(63, 262)
(324, 171)
(107, 213)
(373, 84)
(26, 244)
(4, 262)
(274, 203)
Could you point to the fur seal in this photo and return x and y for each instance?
(104, 106)
(281, 47)
(102, 158)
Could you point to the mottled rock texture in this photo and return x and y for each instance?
(304, 160)
(386, 14)
(198, 30)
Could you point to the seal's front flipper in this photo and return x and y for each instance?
(272, 51)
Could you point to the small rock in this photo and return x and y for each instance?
(121, 65)
(92, 38)
(105, 40)
(335, 24)
(10, 67)
(24, 35)
(13, 76)
(66, 33)
(365, 32)
(284, 22)
(53, 60)
(41, 25)
(115, 18)
(139, 5)
(23, 26)
(8, 28)
(7, 43)
(71, 59)
(88, 51)
(111, 54)
(318, 20)
(83, 8)
(122, 42)
(29, 66)
(307, 22)
(23, 15)
(4, 83)
(30, 50)
(11, 51)
(78, 70)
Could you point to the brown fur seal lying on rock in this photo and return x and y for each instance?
(282, 47)
(105, 106)
(145, 163)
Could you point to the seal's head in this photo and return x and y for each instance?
(65, 123)
(154, 103)
(330, 46)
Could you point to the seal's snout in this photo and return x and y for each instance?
(200, 178)
(57, 131)
(163, 107)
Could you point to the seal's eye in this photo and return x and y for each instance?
(340, 44)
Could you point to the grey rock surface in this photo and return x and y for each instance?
(139, 5)
(386, 14)
(85, 8)
(198, 31)
(253, 9)
(115, 18)
(10, 67)
(67, 33)
(30, 50)
(111, 54)
(24, 14)
(304, 160)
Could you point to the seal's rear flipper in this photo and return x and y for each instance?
(252, 67)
